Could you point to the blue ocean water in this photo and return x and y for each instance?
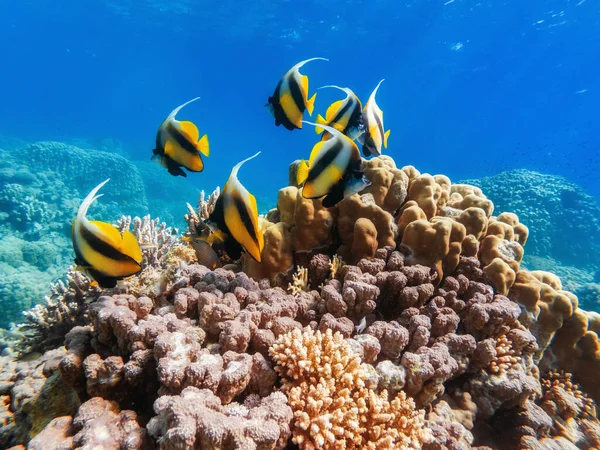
(471, 88)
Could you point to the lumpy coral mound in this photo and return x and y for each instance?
(326, 385)
(401, 318)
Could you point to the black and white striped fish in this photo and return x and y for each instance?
(101, 250)
(178, 145)
(343, 115)
(374, 137)
(236, 215)
(334, 169)
(290, 99)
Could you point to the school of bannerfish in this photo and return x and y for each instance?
(333, 171)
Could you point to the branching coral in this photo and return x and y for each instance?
(326, 386)
(299, 281)
(205, 207)
(47, 324)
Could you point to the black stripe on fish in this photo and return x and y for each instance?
(335, 195)
(342, 112)
(218, 216)
(280, 116)
(102, 247)
(103, 280)
(297, 94)
(181, 140)
(355, 118)
(246, 220)
(325, 160)
(173, 167)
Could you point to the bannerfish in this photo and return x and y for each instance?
(177, 145)
(290, 99)
(343, 115)
(236, 215)
(374, 137)
(101, 250)
(334, 170)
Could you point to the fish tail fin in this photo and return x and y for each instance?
(89, 199)
(236, 168)
(302, 172)
(310, 104)
(180, 107)
(203, 146)
(321, 121)
(385, 138)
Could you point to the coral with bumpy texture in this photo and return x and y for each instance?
(198, 419)
(325, 384)
(435, 311)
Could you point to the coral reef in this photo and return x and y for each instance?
(409, 322)
(39, 197)
(553, 208)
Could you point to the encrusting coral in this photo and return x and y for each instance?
(431, 335)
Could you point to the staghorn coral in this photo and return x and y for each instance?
(325, 385)
(299, 281)
(205, 207)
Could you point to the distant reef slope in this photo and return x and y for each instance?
(563, 222)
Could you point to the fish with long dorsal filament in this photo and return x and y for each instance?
(290, 99)
(236, 215)
(344, 115)
(178, 144)
(374, 136)
(334, 169)
(101, 250)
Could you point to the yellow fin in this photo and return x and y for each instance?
(310, 104)
(218, 237)
(189, 130)
(332, 110)
(385, 138)
(321, 120)
(302, 172)
(203, 146)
